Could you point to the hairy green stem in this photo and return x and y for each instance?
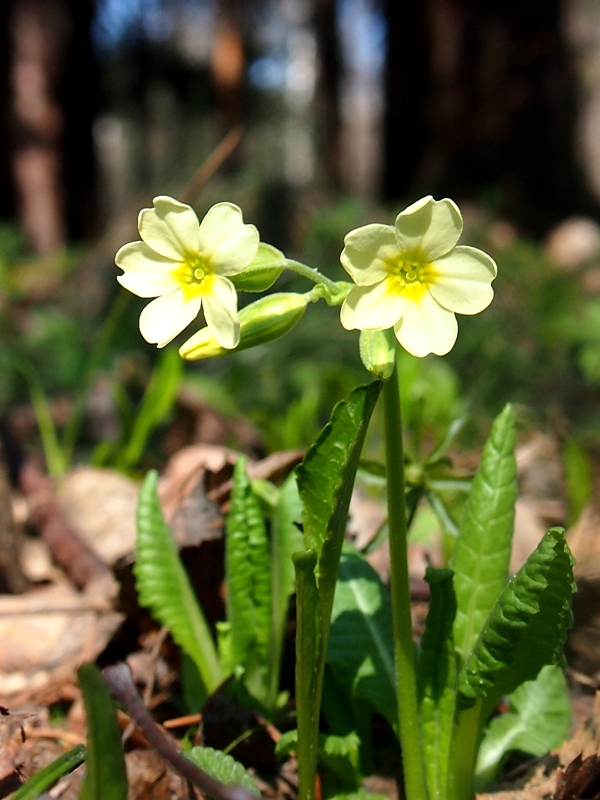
(308, 272)
(406, 682)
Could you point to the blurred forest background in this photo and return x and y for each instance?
(494, 102)
(335, 113)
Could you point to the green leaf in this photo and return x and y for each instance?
(527, 626)
(325, 481)
(156, 404)
(538, 721)
(339, 754)
(286, 539)
(164, 587)
(48, 776)
(248, 573)
(105, 777)
(223, 768)
(360, 649)
(482, 552)
(262, 273)
(437, 681)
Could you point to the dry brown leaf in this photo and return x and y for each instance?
(12, 736)
(48, 633)
(101, 505)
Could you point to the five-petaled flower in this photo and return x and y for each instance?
(185, 264)
(413, 278)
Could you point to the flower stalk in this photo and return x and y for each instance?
(406, 681)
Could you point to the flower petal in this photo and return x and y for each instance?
(147, 273)
(463, 281)
(367, 253)
(171, 228)
(165, 317)
(426, 328)
(372, 308)
(220, 309)
(429, 227)
(226, 241)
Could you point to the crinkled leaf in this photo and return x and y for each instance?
(482, 551)
(248, 571)
(164, 587)
(262, 273)
(360, 649)
(223, 768)
(527, 626)
(538, 721)
(105, 777)
(325, 480)
(437, 681)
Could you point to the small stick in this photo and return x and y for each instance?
(122, 688)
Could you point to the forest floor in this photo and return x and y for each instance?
(68, 598)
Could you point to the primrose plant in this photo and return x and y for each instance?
(485, 636)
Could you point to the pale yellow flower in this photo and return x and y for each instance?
(185, 265)
(413, 277)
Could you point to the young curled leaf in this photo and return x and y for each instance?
(526, 628)
(164, 587)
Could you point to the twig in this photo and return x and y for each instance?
(220, 154)
(68, 550)
(122, 688)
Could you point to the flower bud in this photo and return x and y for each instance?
(260, 322)
(262, 272)
(378, 352)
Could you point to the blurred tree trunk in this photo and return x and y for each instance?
(328, 87)
(52, 102)
(38, 32)
(481, 102)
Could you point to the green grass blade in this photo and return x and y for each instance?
(48, 776)
(436, 673)
(55, 460)
(164, 587)
(248, 572)
(361, 652)
(156, 404)
(105, 777)
(482, 551)
(527, 626)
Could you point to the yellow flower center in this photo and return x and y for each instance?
(411, 277)
(192, 272)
